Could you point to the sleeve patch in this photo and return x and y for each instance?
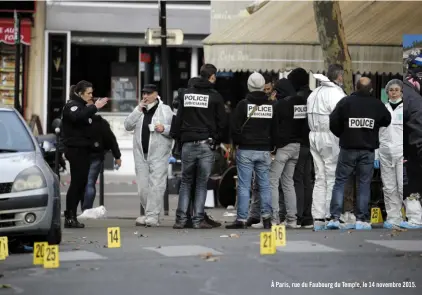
(74, 108)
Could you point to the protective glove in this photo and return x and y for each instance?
(377, 164)
(172, 160)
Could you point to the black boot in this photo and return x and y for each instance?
(71, 221)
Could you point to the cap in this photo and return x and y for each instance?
(256, 82)
(149, 88)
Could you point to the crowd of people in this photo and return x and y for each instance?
(280, 131)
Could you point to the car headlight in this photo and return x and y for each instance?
(29, 179)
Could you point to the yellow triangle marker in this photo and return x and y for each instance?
(376, 216)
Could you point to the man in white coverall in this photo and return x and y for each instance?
(324, 144)
(151, 121)
(390, 155)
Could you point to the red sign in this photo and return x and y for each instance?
(145, 57)
(7, 32)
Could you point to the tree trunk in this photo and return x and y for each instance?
(333, 39)
(335, 50)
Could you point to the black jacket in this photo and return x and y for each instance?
(356, 120)
(200, 115)
(256, 134)
(412, 119)
(104, 139)
(290, 120)
(305, 92)
(77, 128)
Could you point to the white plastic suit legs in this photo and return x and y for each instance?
(325, 150)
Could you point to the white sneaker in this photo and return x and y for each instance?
(258, 225)
(292, 225)
(140, 220)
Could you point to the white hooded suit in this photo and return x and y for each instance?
(324, 144)
(151, 172)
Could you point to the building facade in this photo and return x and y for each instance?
(104, 43)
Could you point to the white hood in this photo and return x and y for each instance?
(14, 163)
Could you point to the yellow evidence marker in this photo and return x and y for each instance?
(39, 251)
(280, 234)
(376, 216)
(113, 237)
(4, 246)
(267, 243)
(51, 257)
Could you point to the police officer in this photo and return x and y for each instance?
(356, 120)
(199, 125)
(77, 140)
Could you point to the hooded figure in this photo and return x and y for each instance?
(152, 145)
(391, 156)
(323, 143)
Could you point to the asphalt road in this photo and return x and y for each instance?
(162, 260)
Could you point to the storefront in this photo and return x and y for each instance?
(113, 55)
(8, 52)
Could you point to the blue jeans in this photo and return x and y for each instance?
(247, 162)
(348, 161)
(90, 191)
(197, 160)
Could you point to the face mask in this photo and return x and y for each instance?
(395, 102)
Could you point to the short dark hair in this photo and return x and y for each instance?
(207, 70)
(268, 79)
(72, 90)
(334, 71)
(82, 86)
(367, 88)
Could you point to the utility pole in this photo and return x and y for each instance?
(17, 61)
(164, 52)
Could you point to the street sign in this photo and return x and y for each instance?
(153, 36)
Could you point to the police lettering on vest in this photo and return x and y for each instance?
(299, 112)
(262, 111)
(361, 123)
(196, 100)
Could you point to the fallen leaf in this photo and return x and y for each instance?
(349, 232)
(135, 233)
(206, 255)
(213, 259)
(234, 236)
(5, 286)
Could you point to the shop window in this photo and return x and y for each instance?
(112, 70)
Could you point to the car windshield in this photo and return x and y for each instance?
(14, 137)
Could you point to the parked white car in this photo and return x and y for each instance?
(29, 189)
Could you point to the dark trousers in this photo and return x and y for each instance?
(348, 161)
(90, 190)
(196, 157)
(413, 170)
(303, 186)
(80, 161)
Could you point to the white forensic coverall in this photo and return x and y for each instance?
(151, 173)
(324, 145)
(390, 155)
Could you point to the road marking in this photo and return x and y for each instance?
(111, 194)
(304, 247)
(400, 245)
(80, 255)
(183, 251)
